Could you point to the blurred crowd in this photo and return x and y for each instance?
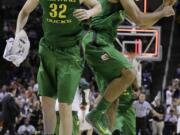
(162, 115)
(29, 119)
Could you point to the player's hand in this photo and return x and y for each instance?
(81, 14)
(17, 49)
(169, 2)
(160, 116)
(168, 11)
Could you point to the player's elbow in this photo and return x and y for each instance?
(23, 13)
(137, 18)
(140, 19)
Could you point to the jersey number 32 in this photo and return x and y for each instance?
(58, 10)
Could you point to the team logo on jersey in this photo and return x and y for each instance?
(105, 57)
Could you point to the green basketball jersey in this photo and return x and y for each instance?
(60, 27)
(112, 14)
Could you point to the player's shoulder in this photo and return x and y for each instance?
(136, 102)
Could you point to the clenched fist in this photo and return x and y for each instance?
(168, 11)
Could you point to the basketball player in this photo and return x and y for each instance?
(125, 117)
(123, 121)
(61, 65)
(112, 70)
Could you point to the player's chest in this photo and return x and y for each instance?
(59, 4)
(59, 8)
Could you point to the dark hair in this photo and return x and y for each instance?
(171, 111)
(11, 90)
(143, 93)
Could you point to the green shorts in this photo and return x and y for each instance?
(59, 72)
(104, 59)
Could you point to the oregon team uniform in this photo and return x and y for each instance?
(107, 62)
(61, 65)
(125, 119)
(100, 52)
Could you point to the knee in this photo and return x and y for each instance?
(129, 74)
(65, 107)
(47, 103)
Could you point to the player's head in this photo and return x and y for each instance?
(175, 82)
(26, 121)
(142, 97)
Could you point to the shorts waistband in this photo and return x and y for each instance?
(58, 46)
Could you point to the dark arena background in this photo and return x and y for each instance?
(159, 75)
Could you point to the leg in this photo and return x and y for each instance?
(4, 129)
(111, 113)
(154, 128)
(96, 117)
(8, 126)
(76, 123)
(116, 87)
(49, 114)
(125, 119)
(47, 88)
(57, 123)
(160, 128)
(138, 125)
(90, 132)
(11, 128)
(144, 129)
(129, 124)
(66, 119)
(69, 70)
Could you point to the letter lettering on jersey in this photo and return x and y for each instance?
(59, 21)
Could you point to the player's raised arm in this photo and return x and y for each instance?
(94, 5)
(83, 14)
(28, 7)
(145, 19)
